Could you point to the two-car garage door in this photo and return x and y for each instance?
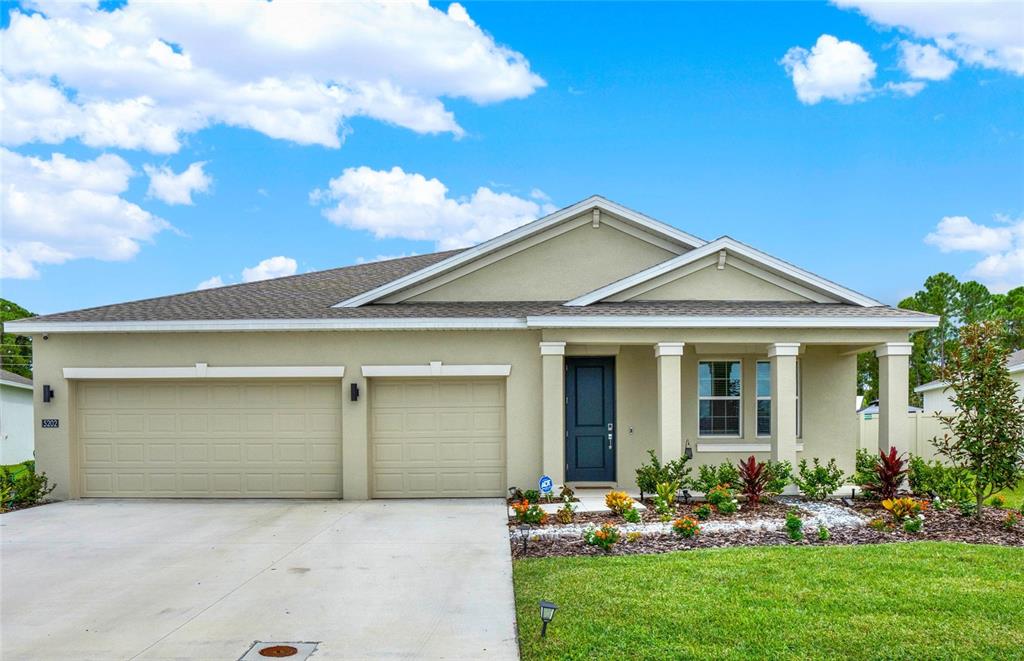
(222, 439)
(267, 438)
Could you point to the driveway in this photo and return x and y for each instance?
(203, 579)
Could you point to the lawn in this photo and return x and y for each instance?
(893, 601)
(1014, 498)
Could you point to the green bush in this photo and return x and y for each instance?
(702, 511)
(23, 488)
(728, 507)
(794, 526)
(632, 515)
(913, 525)
(934, 477)
(968, 508)
(710, 476)
(531, 495)
(649, 476)
(823, 534)
(864, 470)
(818, 482)
(780, 475)
(604, 537)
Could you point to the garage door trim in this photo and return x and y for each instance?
(204, 371)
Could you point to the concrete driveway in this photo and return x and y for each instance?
(203, 579)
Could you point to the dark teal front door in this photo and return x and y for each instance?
(590, 419)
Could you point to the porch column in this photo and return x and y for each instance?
(782, 356)
(893, 395)
(670, 398)
(553, 409)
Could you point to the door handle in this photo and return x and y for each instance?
(610, 440)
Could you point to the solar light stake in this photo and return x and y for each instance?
(547, 613)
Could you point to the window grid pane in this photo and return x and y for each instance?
(719, 388)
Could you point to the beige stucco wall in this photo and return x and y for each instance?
(560, 268)
(829, 424)
(712, 284)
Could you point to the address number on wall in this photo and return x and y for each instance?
(51, 423)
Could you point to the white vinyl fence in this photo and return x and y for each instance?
(922, 429)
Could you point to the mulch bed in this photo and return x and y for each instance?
(946, 525)
(768, 509)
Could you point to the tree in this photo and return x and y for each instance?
(15, 350)
(1009, 309)
(985, 432)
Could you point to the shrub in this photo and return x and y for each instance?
(649, 476)
(1011, 520)
(719, 494)
(904, 508)
(997, 501)
(914, 525)
(661, 507)
(702, 511)
(864, 469)
(632, 537)
(710, 476)
(566, 493)
(937, 479)
(823, 534)
(968, 507)
(527, 513)
(819, 482)
(618, 502)
(566, 512)
(753, 479)
(687, 527)
(880, 524)
(531, 495)
(728, 507)
(886, 476)
(632, 515)
(667, 491)
(780, 475)
(604, 537)
(794, 526)
(23, 488)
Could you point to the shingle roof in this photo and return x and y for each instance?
(14, 378)
(313, 296)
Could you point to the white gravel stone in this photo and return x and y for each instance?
(827, 513)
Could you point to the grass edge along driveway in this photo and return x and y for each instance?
(932, 600)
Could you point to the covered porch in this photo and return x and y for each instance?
(716, 395)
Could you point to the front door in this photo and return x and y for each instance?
(590, 419)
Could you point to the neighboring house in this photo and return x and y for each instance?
(936, 394)
(566, 347)
(16, 421)
(873, 408)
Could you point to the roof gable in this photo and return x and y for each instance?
(594, 209)
(752, 261)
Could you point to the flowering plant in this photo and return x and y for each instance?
(527, 513)
(618, 502)
(686, 527)
(604, 537)
(1011, 520)
(702, 511)
(719, 494)
(904, 508)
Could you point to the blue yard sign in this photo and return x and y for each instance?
(545, 484)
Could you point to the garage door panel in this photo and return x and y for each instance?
(437, 438)
(189, 439)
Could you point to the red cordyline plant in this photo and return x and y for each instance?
(753, 479)
(890, 469)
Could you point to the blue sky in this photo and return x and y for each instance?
(685, 112)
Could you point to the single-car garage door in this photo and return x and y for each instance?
(437, 438)
(220, 439)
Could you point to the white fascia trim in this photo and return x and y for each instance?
(539, 225)
(743, 250)
(204, 371)
(740, 447)
(15, 384)
(928, 387)
(640, 321)
(435, 369)
(28, 327)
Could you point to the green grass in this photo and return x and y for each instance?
(1014, 498)
(925, 600)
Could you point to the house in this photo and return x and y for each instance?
(566, 347)
(16, 425)
(872, 409)
(936, 394)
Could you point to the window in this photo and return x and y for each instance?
(719, 389)
(764, 398)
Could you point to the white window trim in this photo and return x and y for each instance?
(758, 398)
(204, 371)
(435, 369)
(740, 397)
(740, 447)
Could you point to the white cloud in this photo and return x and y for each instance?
(985, 34)
(925, 62)
(1002, 267)
(906, 88)
(61, 209)
(210, 283)
(272, 267)
(146, 74)
(832, 69)
(396, 204)
(172, 188)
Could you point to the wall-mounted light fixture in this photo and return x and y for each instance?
(688, 451)
(353, 391)
(48, 393)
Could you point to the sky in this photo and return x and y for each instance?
(153, 149)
